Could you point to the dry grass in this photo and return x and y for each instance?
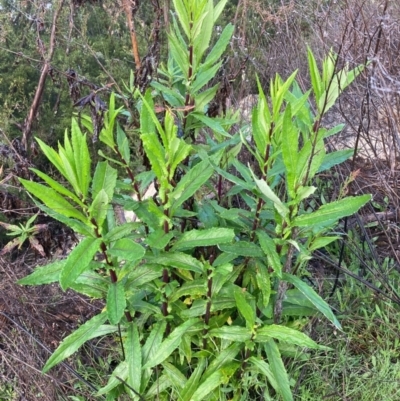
(33, 322)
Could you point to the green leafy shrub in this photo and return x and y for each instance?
(198, 287)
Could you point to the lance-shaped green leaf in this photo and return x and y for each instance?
(133, 354)
(290, 145)
(116, 302)
(219, 377)
(243, 248)
(176, 377)
(190, 184)
(268, 246)
(98, 208)
(266, 190)
(81, 157)
(232, 333)
(278, 370)
(123, 145)
(333, 158)
(58, 187)
(196, 238)
(78, 261)
(127, 249)
(183, 15)
(105, 178)
(85, 229)
(91, 329)
(193, 382)
(244, 307)
(44, 274)
(153, 341)
(170, 344)
(156, 154)
(178, 260)
(330, 213)
(53, 156)
(316, 79)
(285, 334)
(264, 368)
(204, 76)
(52, 199)
(264, 283)
(223, 41)
(313, 297)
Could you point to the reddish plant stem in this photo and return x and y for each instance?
(113, 274)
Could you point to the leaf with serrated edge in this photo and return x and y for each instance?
(316, 300)
(330, 213)
(78, 261)
(116, 302)
(91, 329)
(278, 370)
(133, 353)
(285, 334)
(170, 344)
(44, 274)
(210, 237)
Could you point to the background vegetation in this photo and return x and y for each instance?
(93, 46)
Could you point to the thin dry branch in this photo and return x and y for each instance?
(27, 129)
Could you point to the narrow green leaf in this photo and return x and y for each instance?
(153, 341)
(121, 231)
(44, 274)
(315, 76)
(192, 383)
(269, 193)
(264, 369)
(268, 246)
(52, 199)
(170, 344)
(105, 178)
(334, 158)
(204, 76)
(244, 307)
(263, 283)
(116, 302)
(123, 145)
(156, 154)
(321, 242)
(219, 48)
(316, 300)
(127, 249)
(190, 184)
(78, 261)
(195, 289)
(232, 333)
(196, 238)
(98, 208)
(219, 377)
(58, 187)
(286, 334)
(278, 370)
(183, 16)
(290, 146)
(81, 157)
(53, 156)
(91, 329)
(330, 213)
(176, 377)
(76, 225)
(133, 354)
(243, 248)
